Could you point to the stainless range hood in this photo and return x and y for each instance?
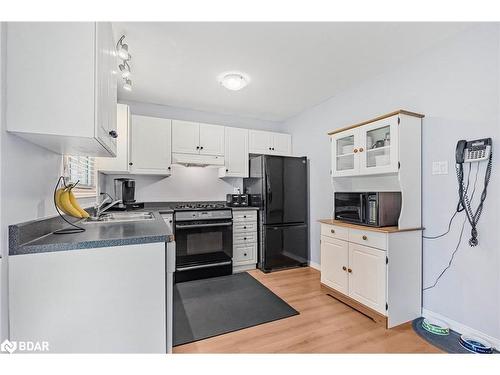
(189, 160)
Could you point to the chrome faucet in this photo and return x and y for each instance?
(100, 208)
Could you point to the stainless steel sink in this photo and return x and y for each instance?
(119, 217)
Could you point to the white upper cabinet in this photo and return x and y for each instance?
(185, 137)
(270, 143)
(368, 149)
(198, 139)
(120, 163)
(150, 145)
(211, 139)
(236, 153)
(61, 86)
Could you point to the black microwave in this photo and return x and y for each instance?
(377, 209)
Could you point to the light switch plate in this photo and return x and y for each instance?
(440, 167)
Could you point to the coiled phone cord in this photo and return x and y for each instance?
(465, 202)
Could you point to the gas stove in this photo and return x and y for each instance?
(192, 206)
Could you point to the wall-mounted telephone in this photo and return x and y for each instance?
(468, 152)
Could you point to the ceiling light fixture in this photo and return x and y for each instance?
(234, 81)
(122, 49)
(122, 52)
(127, 85)
(125, 69)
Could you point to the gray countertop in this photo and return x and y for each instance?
(96, 235)
(37, 236)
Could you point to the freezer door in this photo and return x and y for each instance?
(285, 190)
(284, 247)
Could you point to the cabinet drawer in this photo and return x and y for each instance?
(245, 238)
(245, 253)
(334, 231)
(244, 227)
(368, 238)
(239, 216)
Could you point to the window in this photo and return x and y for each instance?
(81, 168)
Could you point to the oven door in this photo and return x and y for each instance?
(201, 244)
(350, 207)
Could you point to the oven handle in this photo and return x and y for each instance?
(189, 226)
(203, 266)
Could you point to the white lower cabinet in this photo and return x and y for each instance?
(367, 274)
(334, 261)
(380, 270)
(244, 240)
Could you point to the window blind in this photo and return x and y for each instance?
(81, 168)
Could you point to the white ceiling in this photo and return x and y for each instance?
(292, 66)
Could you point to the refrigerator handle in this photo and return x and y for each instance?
(268, 189)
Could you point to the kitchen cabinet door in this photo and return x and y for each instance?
(150, 145)
(260, 142)
(211, 140)
(334, 264)
(120, 163)
(282, 144)
(236, 153)
(106, 90)
(367, 276)
(378, 146)
(185, 137)
(345, 160)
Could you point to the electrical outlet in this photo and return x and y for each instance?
(440, 167)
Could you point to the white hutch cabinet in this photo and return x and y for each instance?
(377, 271)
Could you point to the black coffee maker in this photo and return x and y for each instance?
(125, 190)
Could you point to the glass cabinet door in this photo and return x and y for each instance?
(379, 154)
(344, 154)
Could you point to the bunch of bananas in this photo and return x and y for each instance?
(67, 203)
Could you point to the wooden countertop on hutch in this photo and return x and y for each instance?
(393, 229)
(401, 111)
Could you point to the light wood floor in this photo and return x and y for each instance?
(323, 326)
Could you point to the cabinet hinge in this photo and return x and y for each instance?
(386, 306)
(386, 260)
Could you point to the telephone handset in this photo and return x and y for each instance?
(468, 152)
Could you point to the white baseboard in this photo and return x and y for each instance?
(461, 328)
(315, 265)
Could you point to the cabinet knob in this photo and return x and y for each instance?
(364, 238)
(273, 148)
(169, 168)
(244, 227)
(361, 149)
(270, 148)
(201, 148)
(332, 230)
(227, 170)
(245, 254)
(349, 270)
(344, 268)
(245, 238)
(355, 150)
(130, 163)
(197, 147)
(245, 216)
(113, 134)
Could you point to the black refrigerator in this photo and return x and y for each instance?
(278, 185)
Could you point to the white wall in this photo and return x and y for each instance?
(187, 183)
(456, 85)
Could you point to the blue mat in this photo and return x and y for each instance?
(449, 343)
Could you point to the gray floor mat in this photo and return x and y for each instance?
(211, 307)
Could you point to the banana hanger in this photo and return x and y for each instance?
(74, 228)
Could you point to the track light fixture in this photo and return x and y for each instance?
(124, 55)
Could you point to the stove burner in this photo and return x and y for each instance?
(200, 206)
